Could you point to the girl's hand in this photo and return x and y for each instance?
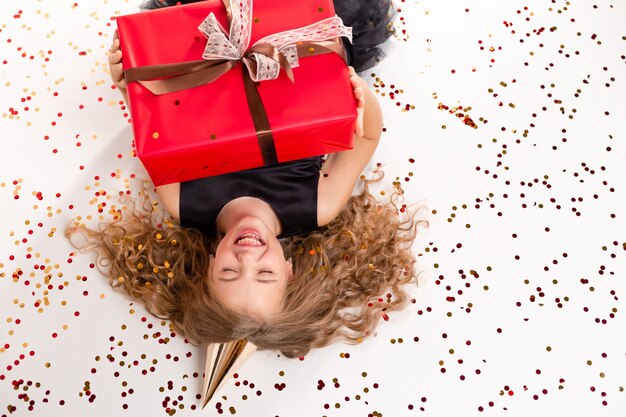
(115, 63)
(358, 84)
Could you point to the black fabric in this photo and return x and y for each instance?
(371, 22)
(290, 188)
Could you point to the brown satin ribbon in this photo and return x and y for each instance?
(182, 76)
(168, 78)
(261, 122)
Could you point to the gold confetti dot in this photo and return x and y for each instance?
(155, 135)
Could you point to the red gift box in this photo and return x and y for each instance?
(208, 130)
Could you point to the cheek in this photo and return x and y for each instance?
(227, 294)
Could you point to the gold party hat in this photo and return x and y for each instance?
(222, 361)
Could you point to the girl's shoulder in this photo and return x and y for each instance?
(170, 197)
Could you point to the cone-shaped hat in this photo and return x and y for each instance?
(222, 361)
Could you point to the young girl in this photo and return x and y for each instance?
(217, 268)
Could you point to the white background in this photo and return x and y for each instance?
(544, 360)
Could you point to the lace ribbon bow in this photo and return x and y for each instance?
(265, 58)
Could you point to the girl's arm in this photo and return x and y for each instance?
(170, 193)
(170, 197)
(342, 170)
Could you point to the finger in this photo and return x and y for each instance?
(116, 35)
(115, 57)
(115, 46)
(356, 82)
(357, 86)
(117, 69)
(117, 73)
(359, 124)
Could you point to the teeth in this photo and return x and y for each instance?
(250, 239)
(251, 242)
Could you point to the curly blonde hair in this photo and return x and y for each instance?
(347, 275)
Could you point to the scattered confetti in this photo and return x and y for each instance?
(506, 120)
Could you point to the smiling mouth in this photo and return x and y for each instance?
(249, 239)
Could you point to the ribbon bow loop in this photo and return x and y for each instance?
(266, 57)
(261, 66)
(218, 46)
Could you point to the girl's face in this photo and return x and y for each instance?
(249, 271)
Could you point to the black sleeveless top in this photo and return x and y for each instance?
(290, 188)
